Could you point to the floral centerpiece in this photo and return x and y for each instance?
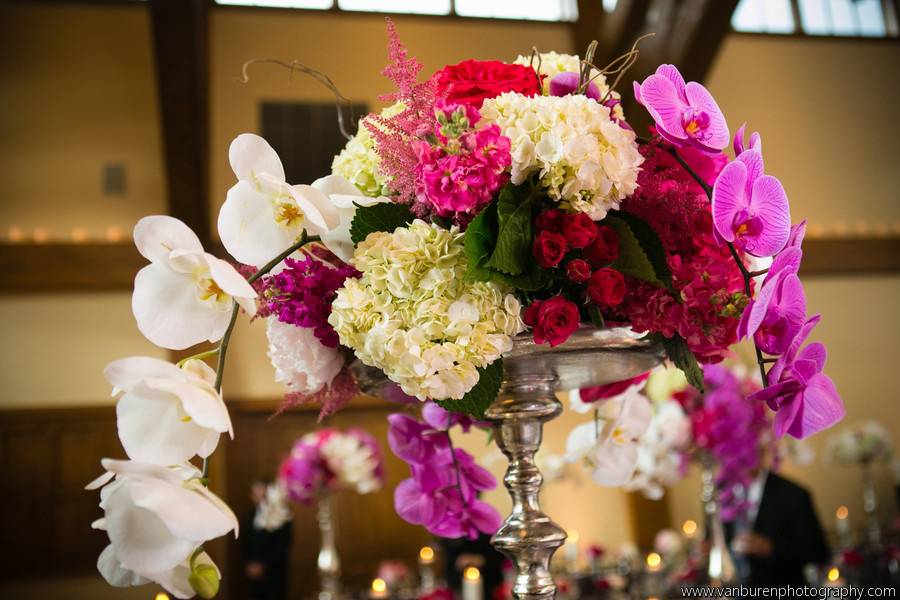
(487, 200)
(861, 443)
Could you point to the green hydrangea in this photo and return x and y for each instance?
(358, 162)
(414, 315)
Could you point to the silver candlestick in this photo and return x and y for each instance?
(721, 569)
(328, 562)
(870, 505)
(532, 375)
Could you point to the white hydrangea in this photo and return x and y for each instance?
(414, 315)
(358, 162)
(583, 158)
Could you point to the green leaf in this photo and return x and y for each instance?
(651, 245)
(679, 353)
(384, 216)
(596, 317)
(533, 279)
(632, 259)
(512, 251)
(477, 400)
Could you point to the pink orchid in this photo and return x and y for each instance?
(777, 314)
(805, 399)
(749, 208)
(685, 114)
(738, 144)
(566, 83)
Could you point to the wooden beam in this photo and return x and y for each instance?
(181, 49)
(850, 256)
(41, 268)
(706, 27)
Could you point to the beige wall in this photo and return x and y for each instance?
(79, 91)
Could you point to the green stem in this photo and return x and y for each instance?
(745, 274)
(198, 356)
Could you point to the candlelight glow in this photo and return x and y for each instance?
(426, 553)
(16, 234)
(472, 573)
(573, 536)
(842, 512)
(79, 235)
(40, 235)
(378, 585)
(689, 527)
(161, 596)
(833, 574)
(653, 560)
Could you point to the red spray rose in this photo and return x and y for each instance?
(552, 320)
(605, 247)
(473, 81)
(578, 270)
(549, 248)
(606, 288)
(579, 229)
(551, 220)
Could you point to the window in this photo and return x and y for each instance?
(869, 18)
(532, 10)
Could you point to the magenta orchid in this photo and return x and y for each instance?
(751, 209)
(777, 314)
(685, 114)
(738, 144)
(804, 398)
(567, 82)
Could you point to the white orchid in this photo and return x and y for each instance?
(263, 215)
(177, 581)
(610, 443)
(580, 406)
(659, 463)
(183, 297)
(344, 197)
(167, 414)
(156, 518)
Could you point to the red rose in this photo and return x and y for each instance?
(579, 229)
(473, 81)
(552, 320)
(578, 270)
(551, 220)
(549, 248)
(605, 247)
(606, 288)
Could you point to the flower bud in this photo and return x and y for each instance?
(204, 580)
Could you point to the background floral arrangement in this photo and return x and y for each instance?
(332, 460)
(861, 443)
(488, 199)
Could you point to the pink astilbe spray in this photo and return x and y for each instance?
(393, 135)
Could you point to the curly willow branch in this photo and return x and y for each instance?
(618, 66)
(297, 66)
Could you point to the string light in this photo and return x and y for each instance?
(689, 527)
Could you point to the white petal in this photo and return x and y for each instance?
(156, 236)
(579, 406)
(200, 370)
(335, 184)
(100, 481)
(580, 441)
(188, 514)
(248, 228)
(169, 311)
(232, 283)
(176, 580)
(151, 428)
(637, 413)
(142, 540)
(125, 373)
(614, 463)
(209, 443)
(114, 573)
(251, 155)
(321, 215)
(202, 404)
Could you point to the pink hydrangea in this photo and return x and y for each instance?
(708, 288)
(460, 166)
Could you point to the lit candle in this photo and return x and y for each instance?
(426, 572)
(843, 522)
(689, 528)
(571, 550)
(472, 586)
(379, 588)
(833, 578)
(654, 562)
(40, 235)
(161, 596)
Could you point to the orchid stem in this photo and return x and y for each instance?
(455, 462)
(198, 356)
(746, 274)
(758, 273)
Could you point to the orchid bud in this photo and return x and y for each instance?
(204, 579)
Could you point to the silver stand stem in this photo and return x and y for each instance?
(721, 569)
(328, 562)
(528, 536)
(870, 505)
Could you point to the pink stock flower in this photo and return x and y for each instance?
(749, 208)
(685, 114)
(804, 398)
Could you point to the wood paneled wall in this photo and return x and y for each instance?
(47, 457)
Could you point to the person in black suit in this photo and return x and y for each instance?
(785, 535)
(266, 534)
